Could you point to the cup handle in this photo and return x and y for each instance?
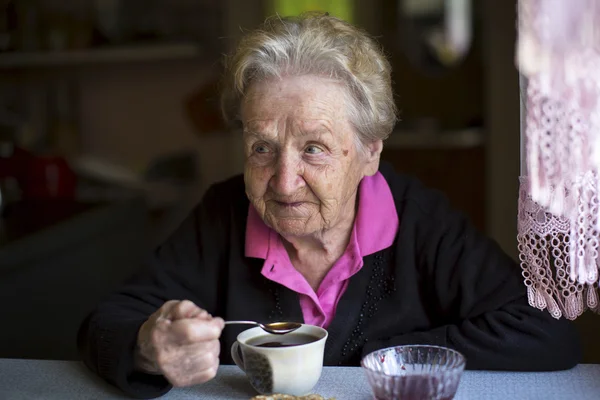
(236, 356)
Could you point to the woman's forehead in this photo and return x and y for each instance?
(304, 98)
(265, 129)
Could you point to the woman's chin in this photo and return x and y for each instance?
(292, 227)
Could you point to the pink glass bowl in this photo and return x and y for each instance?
(414, 372)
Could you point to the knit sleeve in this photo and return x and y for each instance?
(177, 270)
(482, 302)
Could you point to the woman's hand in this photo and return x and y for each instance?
(181, 342)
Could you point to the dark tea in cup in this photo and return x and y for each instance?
(287, 340)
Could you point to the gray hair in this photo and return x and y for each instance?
(319, 44)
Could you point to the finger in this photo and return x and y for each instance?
(162, 324)
(186, 358)
(189, 331)
(165, 310)
(204, 315)
(215, 347)
(185, 309)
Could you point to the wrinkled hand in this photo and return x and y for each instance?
(181, 342)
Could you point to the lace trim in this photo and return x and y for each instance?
(544, 241)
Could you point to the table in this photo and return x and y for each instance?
(36, 379)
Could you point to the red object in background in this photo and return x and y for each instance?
(48, 177)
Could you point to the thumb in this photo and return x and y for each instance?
(218, 322)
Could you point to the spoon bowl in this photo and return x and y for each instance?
(275, 328)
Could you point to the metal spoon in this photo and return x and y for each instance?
(275, 328)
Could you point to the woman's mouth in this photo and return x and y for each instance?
(289, 204)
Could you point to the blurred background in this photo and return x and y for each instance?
(110, 132)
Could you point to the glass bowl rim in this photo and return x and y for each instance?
(459, 367)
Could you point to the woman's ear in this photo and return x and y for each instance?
(373, 154)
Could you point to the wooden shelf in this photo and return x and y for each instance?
(119, 54)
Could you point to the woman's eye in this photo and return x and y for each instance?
(261, 149)
(313, 150)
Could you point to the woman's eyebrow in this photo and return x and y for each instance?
(320, 132)
(255, 133)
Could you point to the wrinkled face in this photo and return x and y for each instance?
(302, 166)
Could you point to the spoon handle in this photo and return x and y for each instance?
(241, 322)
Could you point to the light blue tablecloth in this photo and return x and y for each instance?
(34, 379)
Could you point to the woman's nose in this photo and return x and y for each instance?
(287, 178)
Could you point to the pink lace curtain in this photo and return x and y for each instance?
(558, 56)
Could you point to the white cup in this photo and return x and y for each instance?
(293, 370)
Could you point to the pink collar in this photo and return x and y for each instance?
(375, 225)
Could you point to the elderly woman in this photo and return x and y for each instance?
(317, 231)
